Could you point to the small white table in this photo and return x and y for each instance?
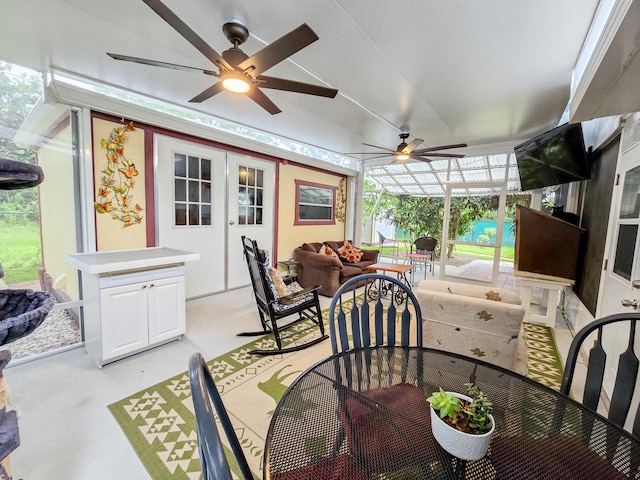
(551, 299)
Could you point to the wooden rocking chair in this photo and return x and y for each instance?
(273, 307)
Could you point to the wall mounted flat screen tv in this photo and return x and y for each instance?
(552, 158)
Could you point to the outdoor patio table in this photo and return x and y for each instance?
(368, 408)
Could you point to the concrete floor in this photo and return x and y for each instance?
(66, 430)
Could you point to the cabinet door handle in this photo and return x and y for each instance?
(152, 285)
(144, 286)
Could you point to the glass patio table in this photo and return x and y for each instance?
(362, 414)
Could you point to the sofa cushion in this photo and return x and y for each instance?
(350, 253)
(325, 250)
(475, 291)
(311, 247)
(335, 245)
(350, 270)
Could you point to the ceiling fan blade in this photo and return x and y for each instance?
(208, 93)
(183, 29)
(412, 145)
(261, 99)
(294, 86)
(279, 50)
(441, 147)
(381, 148)
(156, 63)
(379, 156)
(435, 154)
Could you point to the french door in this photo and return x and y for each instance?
(202, 206)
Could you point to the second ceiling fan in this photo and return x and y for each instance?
(407, 151)
(238, 72)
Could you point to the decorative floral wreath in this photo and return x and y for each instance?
(114, 193)
(341, 203)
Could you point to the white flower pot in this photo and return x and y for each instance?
(466, 446)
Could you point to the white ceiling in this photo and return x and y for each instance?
(487, 73)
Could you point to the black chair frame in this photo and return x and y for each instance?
(626, 375)
(271, 309)
(206, 402)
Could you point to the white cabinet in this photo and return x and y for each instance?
(141, 315)
(133, 300)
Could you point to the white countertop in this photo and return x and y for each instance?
(122, 260)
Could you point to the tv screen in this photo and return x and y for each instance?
(552, 158)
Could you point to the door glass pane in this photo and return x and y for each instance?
(180, 190)
(181, 213)
(194, 215)
(205, 172)
(194, 167)
(205, 193)
(180, 165)
(193, 197)
(630, 206)
(205, 214)
(249, 195)
(194, 191)
(625, 250)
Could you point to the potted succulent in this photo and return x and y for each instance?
(462, 424)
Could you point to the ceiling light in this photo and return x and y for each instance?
(236, 82)
(402, 156)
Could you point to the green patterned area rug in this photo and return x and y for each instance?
(159, 421)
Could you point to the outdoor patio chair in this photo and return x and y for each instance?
(385, 312)
(622, 328)
(423, 252)
(382, 241)
(276, 301)
(362, 316)
(206, 404)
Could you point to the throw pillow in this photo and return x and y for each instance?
(278, 283)
(350, 253)
(327, 250)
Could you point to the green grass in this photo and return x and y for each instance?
(20, 253)
(473, 251)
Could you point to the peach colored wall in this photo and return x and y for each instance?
(111, 234)
(58, 224)
(291, 236)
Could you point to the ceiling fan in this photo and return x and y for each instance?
(239, 73)
(406, 151)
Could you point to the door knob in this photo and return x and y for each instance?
(630, 303)
(231, 222)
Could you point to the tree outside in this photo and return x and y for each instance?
(20, 253)
(421, 216)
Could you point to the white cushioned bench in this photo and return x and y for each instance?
(474, 320)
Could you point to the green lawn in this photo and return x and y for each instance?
(20, 254)
(506, 253)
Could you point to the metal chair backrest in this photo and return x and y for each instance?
(206, 403)
(257, 261)
(426, 245)
(362, 315)
(622, 328)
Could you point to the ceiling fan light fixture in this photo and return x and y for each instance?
(402, 156)
(236, 82)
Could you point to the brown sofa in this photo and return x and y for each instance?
(328, 272)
